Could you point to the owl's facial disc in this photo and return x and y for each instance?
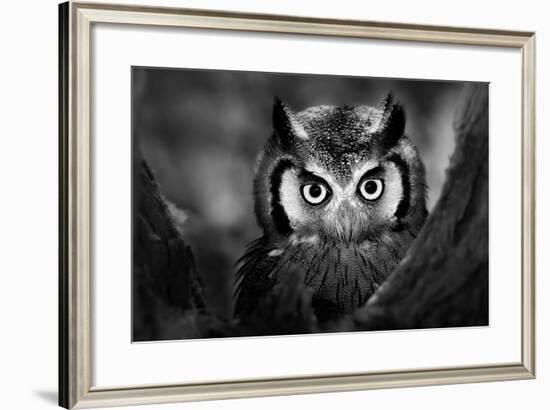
(316, 203)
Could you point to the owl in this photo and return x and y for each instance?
(340, 196)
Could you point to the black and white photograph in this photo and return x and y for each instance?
(266, 205)
(279, 203)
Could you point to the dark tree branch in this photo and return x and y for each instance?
(165, 281)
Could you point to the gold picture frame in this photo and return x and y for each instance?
(76, 20)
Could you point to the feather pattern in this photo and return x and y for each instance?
(342, 275)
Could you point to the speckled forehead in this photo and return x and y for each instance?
(342, 174)
(361, 119)
(340, 138)
(343, 166)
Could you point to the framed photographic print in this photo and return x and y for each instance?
(306, 205)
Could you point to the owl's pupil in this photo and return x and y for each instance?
(315, 191)
(370, 187)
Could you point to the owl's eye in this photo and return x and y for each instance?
(371, 189)
(315, 193)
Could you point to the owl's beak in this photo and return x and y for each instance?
(345, 225)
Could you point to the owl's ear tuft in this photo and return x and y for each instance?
(392, 121)
(286, 125)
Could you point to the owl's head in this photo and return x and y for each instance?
(339, 173)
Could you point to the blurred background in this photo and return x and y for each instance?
(200, 131)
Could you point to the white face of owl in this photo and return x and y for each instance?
(340, 174)
(316, 202)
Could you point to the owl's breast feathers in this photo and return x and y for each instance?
(342, 275)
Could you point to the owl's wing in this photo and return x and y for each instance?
(252, 278)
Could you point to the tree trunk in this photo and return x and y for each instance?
(165, 281)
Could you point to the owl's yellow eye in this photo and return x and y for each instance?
(371, 189)
(315, 193)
